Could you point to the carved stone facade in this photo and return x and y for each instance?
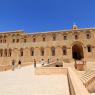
(64, 44)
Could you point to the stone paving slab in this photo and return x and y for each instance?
(24, 82)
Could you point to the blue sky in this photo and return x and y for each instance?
(46, 15)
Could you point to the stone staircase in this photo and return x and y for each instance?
(90, 65)
(88, 79)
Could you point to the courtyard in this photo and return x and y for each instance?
(24, 82)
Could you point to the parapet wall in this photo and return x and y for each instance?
(75, 84)
(9, 67)
(76, 87)
(50, 70)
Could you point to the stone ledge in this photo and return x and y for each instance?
(75, 84)
(50, 70)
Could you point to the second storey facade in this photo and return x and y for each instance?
(64, 44)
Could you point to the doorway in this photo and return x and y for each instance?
(77, 51)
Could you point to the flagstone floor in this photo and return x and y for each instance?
(24, 82)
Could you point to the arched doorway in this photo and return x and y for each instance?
(77, 51)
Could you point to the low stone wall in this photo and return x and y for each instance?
(50, 70)
(76, 87)
(8, 67)
(5, 67)
(26, 64)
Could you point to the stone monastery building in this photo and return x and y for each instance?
(65, 45)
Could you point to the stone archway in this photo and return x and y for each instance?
(77, 51)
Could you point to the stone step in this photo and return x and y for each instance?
(86, 78)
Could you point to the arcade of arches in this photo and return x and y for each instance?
(32, 53)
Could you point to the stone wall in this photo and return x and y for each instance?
(58, 44)
(76, 86)
(50, 70)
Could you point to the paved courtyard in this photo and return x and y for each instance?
(24, 82)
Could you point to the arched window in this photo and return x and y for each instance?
(44, 39)
(54, 37)
(32, 51)
(13, 35)
(88, 35)
(34, 39)
(89, 48)
(0, 40)
(17, 40)
(10, 52)
(24, 40)
(64, 49)
(0, 36)
(13, 40)
(4, 40)
(65, 37)
(53, 51)
(1, 52)
(5, 36)
(5, 52)
(42, 51)
(76, 36)
(21, 52)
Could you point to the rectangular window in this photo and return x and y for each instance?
(24, 40)
(42, 53)
(34, 40)
(13, 40)
(53, 51)
(17, 40)
(21, 54)
(44, 39)
(65, 37)
(89, 49)
(76, 37)
(64, 49)
(88, 36)
(4, 40)
(32, 53)
(0, 41)
(54, 38)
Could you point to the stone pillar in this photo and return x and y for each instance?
(48, 52)
(69, 53)
(85, 52)
(15, 55)
(58, 52)
(37, 54)
(26, 55)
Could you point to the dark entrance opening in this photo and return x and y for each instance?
(77, 52)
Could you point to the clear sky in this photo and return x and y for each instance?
(46, 15)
